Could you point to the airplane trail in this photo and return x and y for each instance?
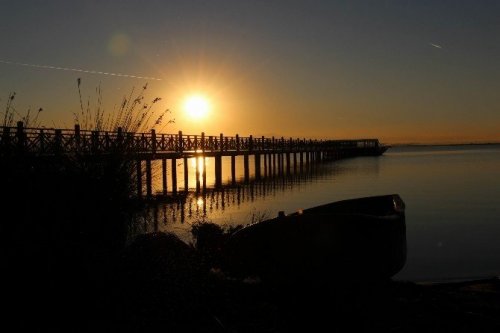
(436, 46)
(79, 70)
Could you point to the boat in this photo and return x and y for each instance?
(361, 238)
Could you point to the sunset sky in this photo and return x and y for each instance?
(401, 71)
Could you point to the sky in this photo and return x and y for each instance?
(407, 71)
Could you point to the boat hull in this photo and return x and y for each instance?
(360, 238)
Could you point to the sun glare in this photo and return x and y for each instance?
(196, 107)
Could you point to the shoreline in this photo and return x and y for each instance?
(398, 145)
(450, 280)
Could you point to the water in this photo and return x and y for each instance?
(452, 195)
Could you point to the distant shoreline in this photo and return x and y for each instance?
(442, 144)
(452, 281)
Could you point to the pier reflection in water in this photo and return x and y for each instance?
(198, 173)
(237, 202)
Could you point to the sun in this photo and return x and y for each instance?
(196, 107)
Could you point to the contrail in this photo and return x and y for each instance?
(436, 46)
(79, 70)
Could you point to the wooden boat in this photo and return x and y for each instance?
(349, 239)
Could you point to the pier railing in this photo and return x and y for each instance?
(51, 141)
(271, 155)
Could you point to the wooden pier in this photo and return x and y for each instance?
(270, 155)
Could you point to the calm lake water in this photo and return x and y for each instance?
(452, 196)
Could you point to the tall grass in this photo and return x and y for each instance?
(11, 115)
(65, 219)
(133, 114)
(88, 193)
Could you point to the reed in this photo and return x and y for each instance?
(11, 115)
(77, 194)
(133, 114)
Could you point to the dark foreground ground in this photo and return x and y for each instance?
(160, 284)
(387, 307)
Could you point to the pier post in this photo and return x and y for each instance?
(218, 163)
(20, 136)
(119, 138)
(273, 172)
(204, 174)
(301, 155)
(245, 166)
(174, 176)
(204, 163)
(149, 190)
(94, 139)
(233, 169)
(288, 163)
(107, 141)
(274, 164)
(218, 170)
(197, 174)
(139, 178)
(58, 142)
(77, 136)
(294, 161)
(153, 141)
(257, 166)
(186, 174)
(280, 156)
(269, 164)
(164, 175)
(233, 160)
(281, 167)
(283, 163)
(41, 138)
(180, 143)
(265, 165)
